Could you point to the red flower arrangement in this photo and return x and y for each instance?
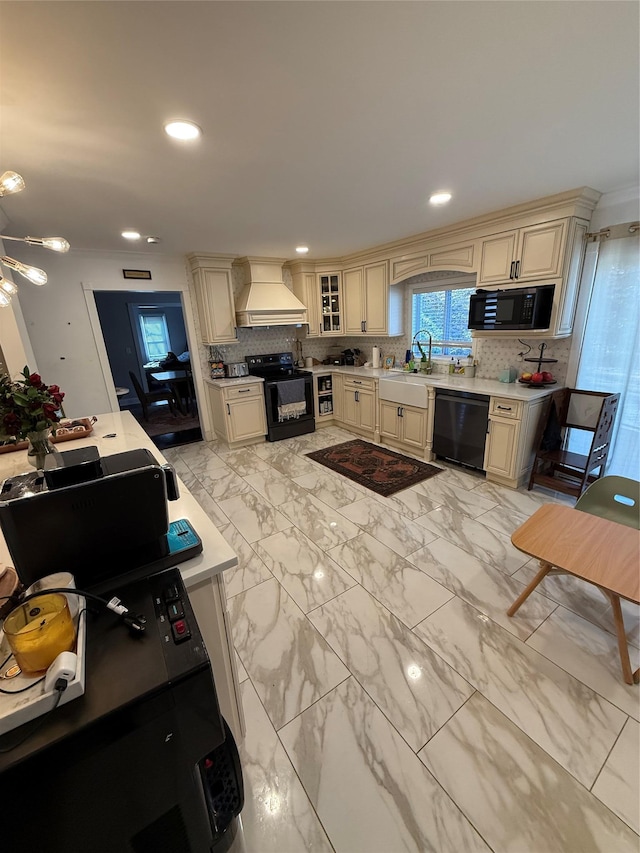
(27, 405)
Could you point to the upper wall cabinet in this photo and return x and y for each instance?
(305, 287)
(524, 254)
(371, 307)
(213, 288)
(454, 256)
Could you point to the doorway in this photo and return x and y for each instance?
(146, 343)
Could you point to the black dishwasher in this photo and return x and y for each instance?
(460, 427)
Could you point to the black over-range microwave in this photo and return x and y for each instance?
(519, 308)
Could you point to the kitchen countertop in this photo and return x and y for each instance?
(216, 555)
(491, 387)
(233, 380)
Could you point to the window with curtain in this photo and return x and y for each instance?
(155, 335)
(610, 353)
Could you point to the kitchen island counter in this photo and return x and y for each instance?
(116, 432)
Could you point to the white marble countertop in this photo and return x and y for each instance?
(491, 387)
(116, 432)
(233, 380)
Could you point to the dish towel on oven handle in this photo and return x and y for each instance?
(291, 399)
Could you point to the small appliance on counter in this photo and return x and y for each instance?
(236, 368)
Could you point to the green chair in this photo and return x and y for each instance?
(613, 498)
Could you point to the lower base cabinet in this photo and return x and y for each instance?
(239, 412)
(509, 451)
(359, 405)
(404, 424)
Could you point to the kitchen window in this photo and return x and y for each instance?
(443, 310)
(155, 335)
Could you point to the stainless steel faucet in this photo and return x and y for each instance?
(427, 368)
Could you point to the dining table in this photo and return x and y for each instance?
(181, 383)
(598, 551)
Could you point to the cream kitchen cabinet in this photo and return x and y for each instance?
(238, 412)
(305, 287)
(524, 254)
(359, 404)
(371, 307)
(331, 320)
(403, 424)
(511, 432)
(213, 288)
(454, 256)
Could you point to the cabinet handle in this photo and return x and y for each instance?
(357, 381)
(505, 408)
(511, 272)
(517, 269)
(398, 411)
(357, 396)
(364, 323)
(244, 390)
(228, 409)
(401, 411)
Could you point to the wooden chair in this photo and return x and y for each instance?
(163, 394)
(554, 465)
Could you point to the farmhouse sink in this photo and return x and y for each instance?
(409, 389)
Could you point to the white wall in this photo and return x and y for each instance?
(61, 317)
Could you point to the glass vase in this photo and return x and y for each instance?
(39, 447)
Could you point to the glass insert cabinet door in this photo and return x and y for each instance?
(331, 304)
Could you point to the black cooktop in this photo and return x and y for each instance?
(274, 366)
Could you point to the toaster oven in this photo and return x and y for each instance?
(236, 368)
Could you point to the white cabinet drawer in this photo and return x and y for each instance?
(359, 384)
(505, 408)
(243, 392)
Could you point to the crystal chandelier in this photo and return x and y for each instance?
(10, 183)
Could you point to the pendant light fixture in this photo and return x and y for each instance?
(10, 183)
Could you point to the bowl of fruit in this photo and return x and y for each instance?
(535, 380)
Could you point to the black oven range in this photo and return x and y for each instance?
(288, 394)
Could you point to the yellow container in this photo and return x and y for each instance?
(38, 631)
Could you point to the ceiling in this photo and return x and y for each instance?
(325, 123)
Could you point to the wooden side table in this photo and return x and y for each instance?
(601, 552)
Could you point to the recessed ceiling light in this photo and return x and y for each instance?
(153, 240)
(302, 250)
(183, 130)
(131, 235)
(440, 198)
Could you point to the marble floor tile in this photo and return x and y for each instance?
(277, 816)
(407, 592)
(242, 672)
(319, 440)
(222, 483)
(250, 570)
(434, 492)
(275, 487)
(590, 655)
(400, 534)
(323, 525)
(502, 519)
(307, 573)
(243, 461)
(287, 462)
(618, 785)
(518, 798)
(475, 538)
(199, 455)
(487, 589)
(371, 792)
(254, 517)
(413, 687)
(289, 663)
(518, 500)
(208, 504)
(567, 719)
(332, 489)
(585, 599)
(454, 475)
(184, 472)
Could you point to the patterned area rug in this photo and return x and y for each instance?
(381, 470)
